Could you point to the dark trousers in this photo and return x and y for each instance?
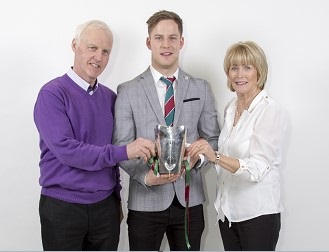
(257, 234)
(146, 229)
(69, 226)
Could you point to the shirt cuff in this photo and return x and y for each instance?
(242, 167)
(145, 180)
(200, 161)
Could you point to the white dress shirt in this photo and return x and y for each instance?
(161, 91)
(256, 141)
(162, 87)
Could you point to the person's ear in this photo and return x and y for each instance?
(181, 42)
(74, 45)
(148, 43)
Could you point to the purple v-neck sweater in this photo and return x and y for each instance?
(78, 161)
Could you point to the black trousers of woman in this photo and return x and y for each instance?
(257, 234)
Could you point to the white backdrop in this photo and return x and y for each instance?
(35, 47)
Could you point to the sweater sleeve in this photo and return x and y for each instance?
(57, 136)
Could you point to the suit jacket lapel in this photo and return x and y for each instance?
(147, 82)
(181, 90)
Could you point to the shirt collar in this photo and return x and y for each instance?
(157, 75)
(262, 94)
(257, 99)
(78, 80)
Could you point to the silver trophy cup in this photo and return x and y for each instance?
(170, 144)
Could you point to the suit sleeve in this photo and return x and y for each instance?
(125, 132)
(208, 124)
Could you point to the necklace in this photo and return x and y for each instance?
(238, 113)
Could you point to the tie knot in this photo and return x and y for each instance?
(171, 79)
(168, 81)
(91, 88)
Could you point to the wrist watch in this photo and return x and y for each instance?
(217, 158)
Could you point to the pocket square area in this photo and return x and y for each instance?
(191, 99)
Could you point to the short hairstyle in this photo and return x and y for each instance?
(247, 53)
(89, 25)
(164, 15)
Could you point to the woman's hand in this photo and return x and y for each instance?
(201, 146)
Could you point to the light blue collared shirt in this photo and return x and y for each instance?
(81, 82)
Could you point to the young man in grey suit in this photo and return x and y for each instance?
(156, 203)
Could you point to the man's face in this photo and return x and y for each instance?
(92, 53)
(165, 43)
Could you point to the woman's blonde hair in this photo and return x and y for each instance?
(247, 53)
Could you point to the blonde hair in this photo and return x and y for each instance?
(247, 53)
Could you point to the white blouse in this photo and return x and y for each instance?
(256, 141)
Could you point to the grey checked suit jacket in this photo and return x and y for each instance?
(138, 112)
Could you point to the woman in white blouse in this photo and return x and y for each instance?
(249, 155)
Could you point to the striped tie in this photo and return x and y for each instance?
(169, 106)
(91, 89)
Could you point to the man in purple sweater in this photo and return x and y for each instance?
(80, 206)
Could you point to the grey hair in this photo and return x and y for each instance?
(92, 24)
